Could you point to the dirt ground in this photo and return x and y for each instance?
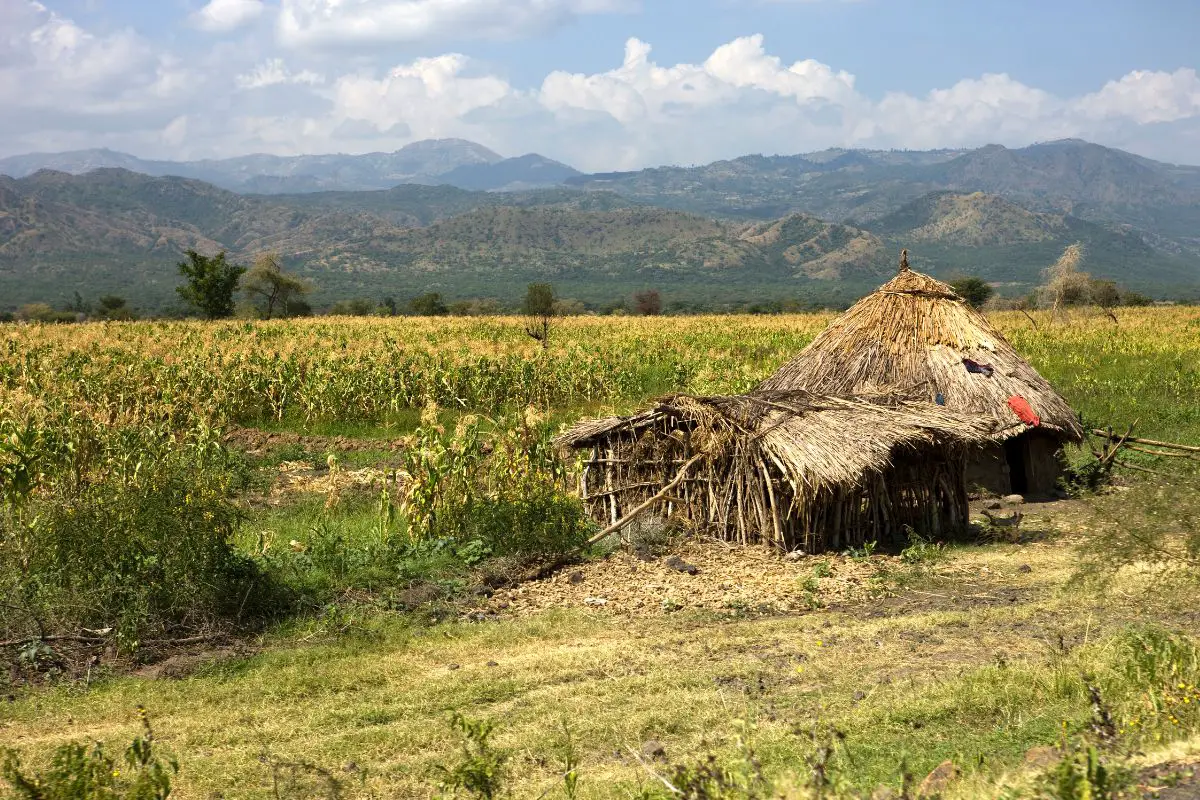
(256, 442)
(733, 579)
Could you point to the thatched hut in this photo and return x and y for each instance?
(790, 468)
(915, 336)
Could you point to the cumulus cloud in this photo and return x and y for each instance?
(274, 72)
(348, 22)
(63, 86)
(430, 97)
(50, 63)
(1146, 97)
(227, 15)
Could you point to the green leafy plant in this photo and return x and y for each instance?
(77, 772)
(1082, 775)
(480, 771)
(921, 550)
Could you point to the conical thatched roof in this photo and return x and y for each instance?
(817, 442)
(911, 336)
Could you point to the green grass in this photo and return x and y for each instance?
(977, 682)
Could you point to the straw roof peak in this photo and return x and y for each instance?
(915, 335)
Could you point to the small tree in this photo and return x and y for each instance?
(358, 307)
(428, 305)
(647, 302)
(211, 283)
(271, 287)
(975, 291)
(112, 306)
(1066, 284)
(539, 308)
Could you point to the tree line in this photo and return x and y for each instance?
(268, 291)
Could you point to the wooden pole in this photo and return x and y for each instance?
(662, 495)
(1172, 445)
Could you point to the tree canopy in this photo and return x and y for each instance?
(975, 291)
(273, 289)
(211, 282)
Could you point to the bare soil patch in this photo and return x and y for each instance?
(257, 442)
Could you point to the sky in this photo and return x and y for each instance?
(598, 84)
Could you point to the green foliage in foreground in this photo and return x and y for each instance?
(116, 528)
(77, 772)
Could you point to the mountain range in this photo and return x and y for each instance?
(454, 162)
(457, 218)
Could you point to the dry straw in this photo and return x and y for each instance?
(911, 337)
(791, 468)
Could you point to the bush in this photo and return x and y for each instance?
(127, 529)
(503, 486)
(538, 520)
(79, 772)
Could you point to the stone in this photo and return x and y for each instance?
(936, 782)
(679, 565)
(595, 601)
(1014, 499)
(654, 751)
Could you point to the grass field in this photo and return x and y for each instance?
(975, 652)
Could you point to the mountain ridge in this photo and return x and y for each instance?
(112, 230)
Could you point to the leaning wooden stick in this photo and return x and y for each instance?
(1173, 445)
(662, 495)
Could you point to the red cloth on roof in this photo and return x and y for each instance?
(1022, 409)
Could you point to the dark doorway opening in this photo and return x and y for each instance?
(1014, 454)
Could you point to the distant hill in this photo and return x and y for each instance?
(112, 230)
(452, 161)
(1084, 180)
(524, 172)
(955, 234)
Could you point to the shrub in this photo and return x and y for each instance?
(125, 528)
(480, 771)
(77, 771)
(503, 486)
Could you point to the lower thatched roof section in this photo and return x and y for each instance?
(816, 442)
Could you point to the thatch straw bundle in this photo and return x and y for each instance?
(911, 336)
(790, 467)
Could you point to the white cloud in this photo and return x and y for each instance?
(63, 86)
(50, 63)
(1146, 97)
(430, 96)
(273, 72)
(227, 15)
(344, 22)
